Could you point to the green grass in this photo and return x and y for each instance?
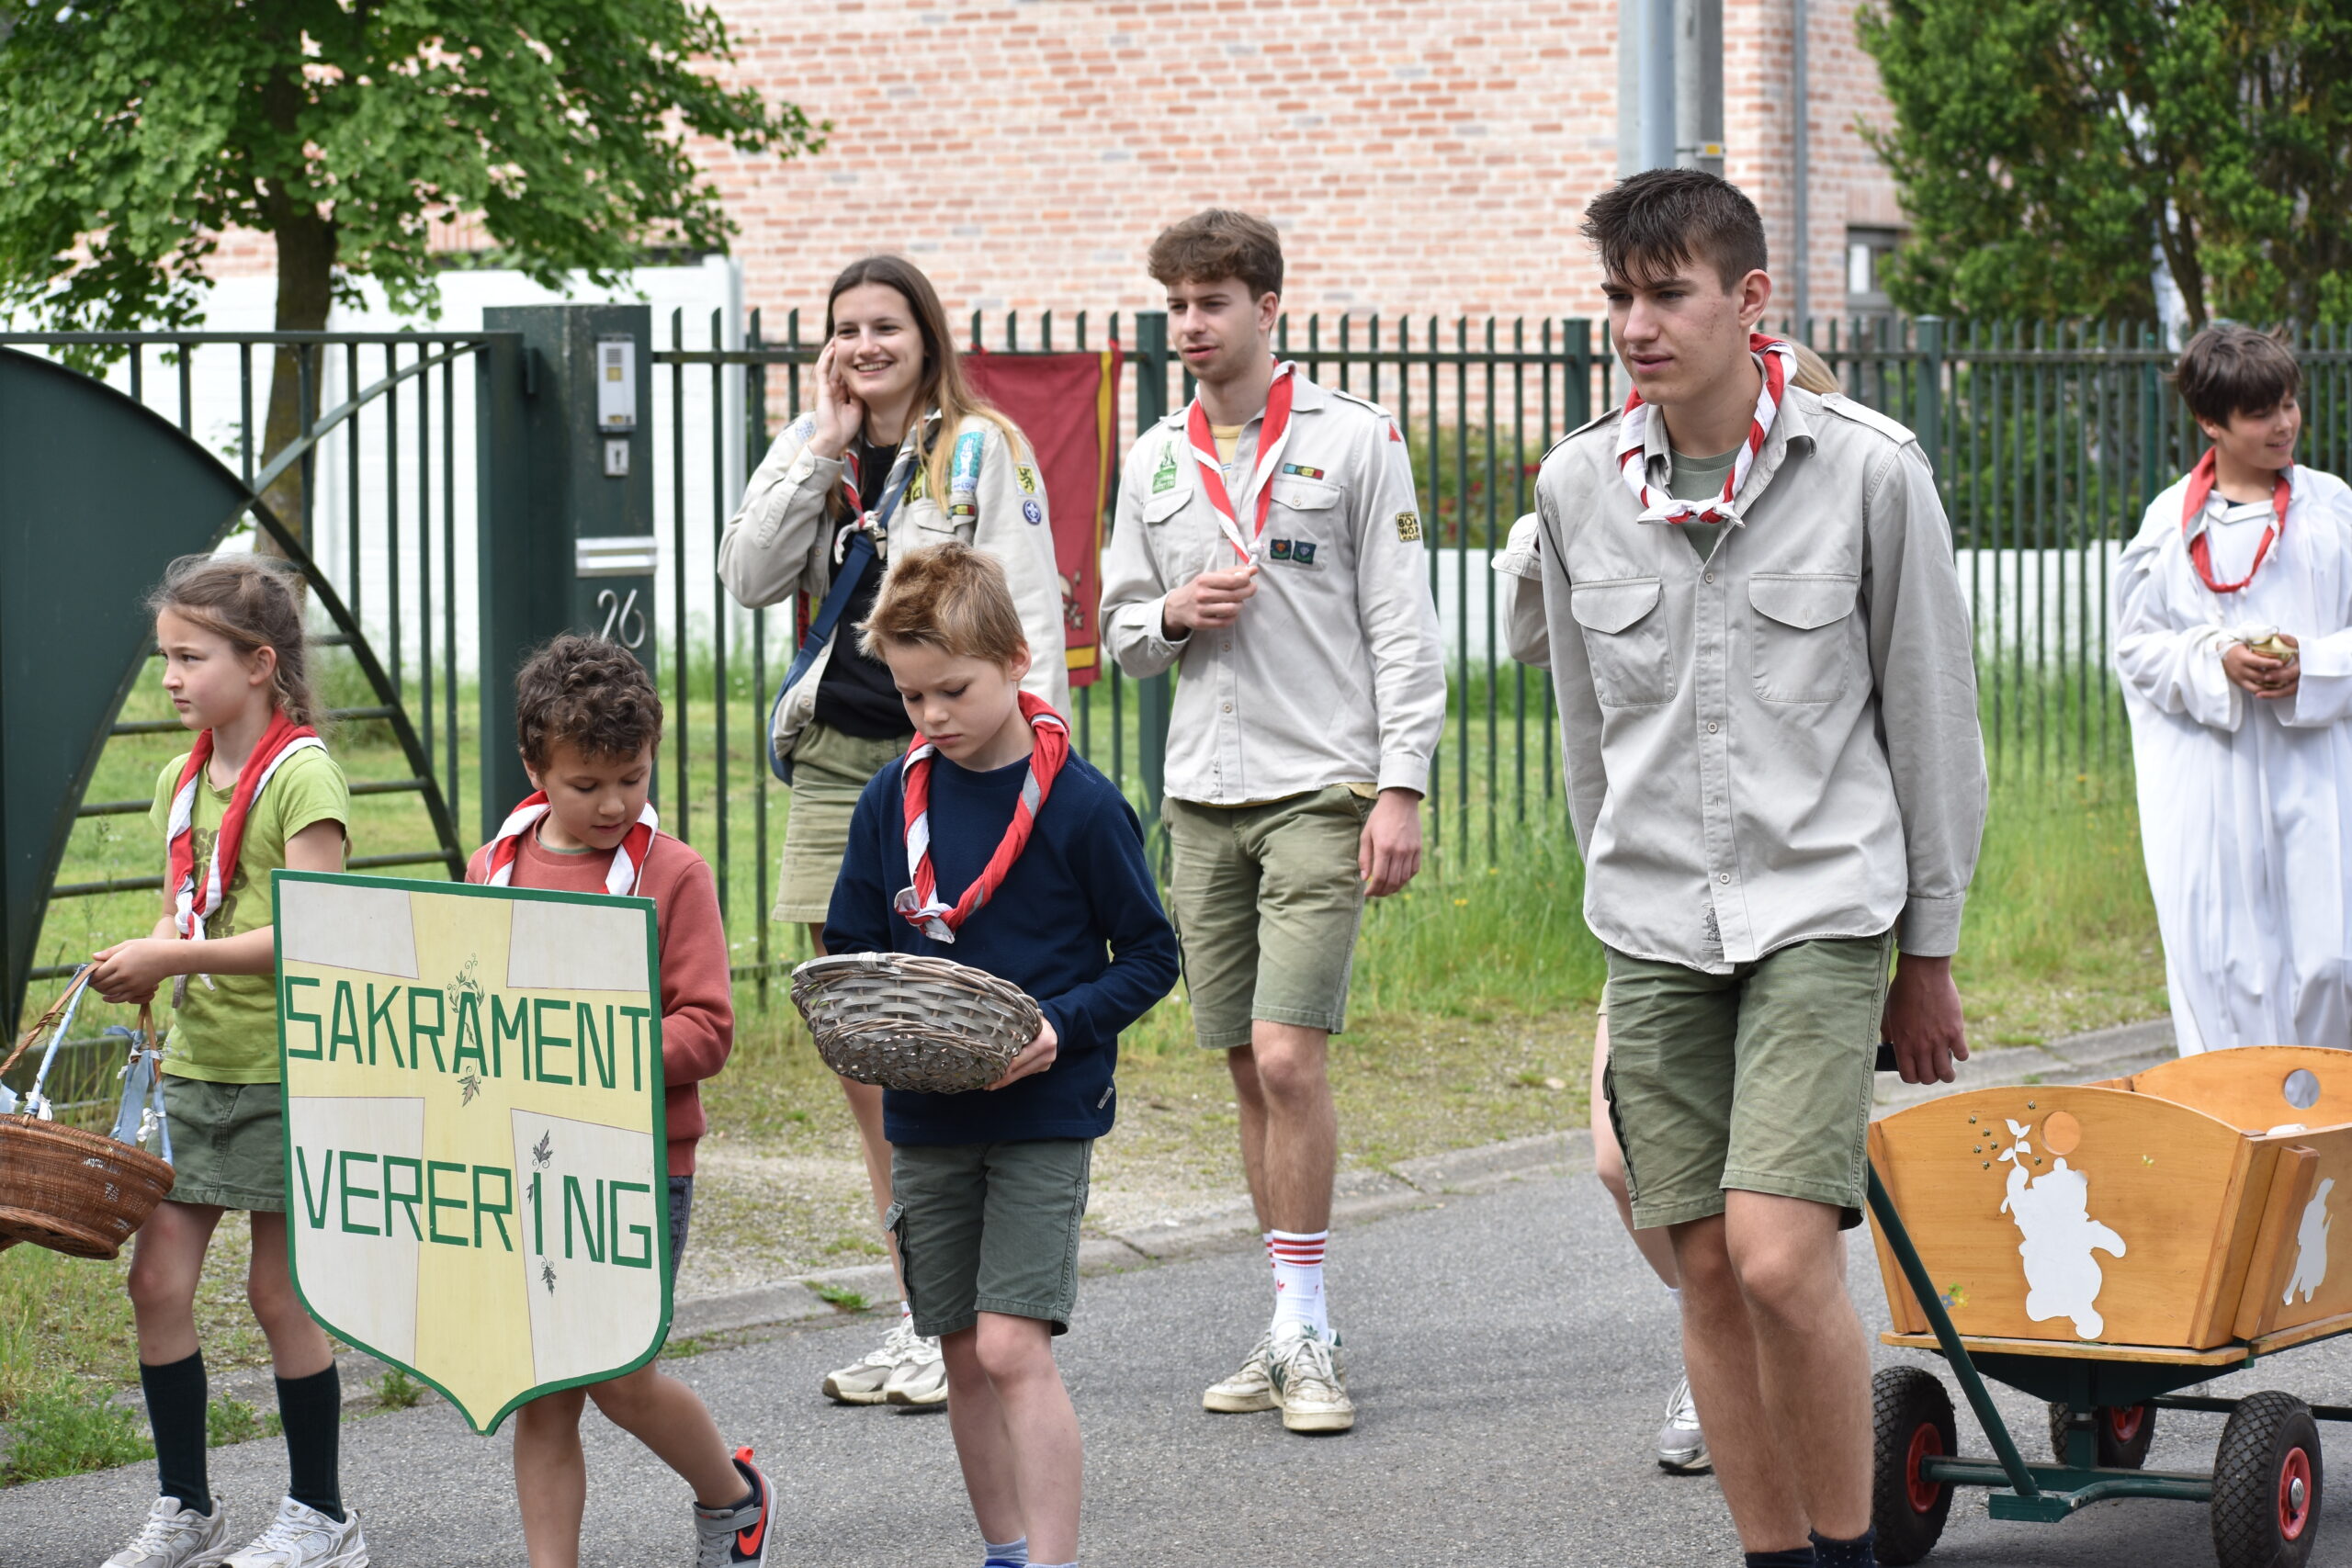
(397, 1391)
(841, 1298)
(228, 1421)
(66, 1426)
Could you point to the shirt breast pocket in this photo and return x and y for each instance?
(1802, 651)
(1158, 509)
(1302, 525)
(1624, 640)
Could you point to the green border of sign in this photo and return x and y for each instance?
(655, 1105)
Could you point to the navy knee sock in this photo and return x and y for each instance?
(175, 1397)
(311, 1409)
(1854, 1553)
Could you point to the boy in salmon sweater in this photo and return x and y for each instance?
(588, 725)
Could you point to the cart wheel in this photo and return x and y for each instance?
(2266, 1484)
(2123, 1434)
(1912, 1416)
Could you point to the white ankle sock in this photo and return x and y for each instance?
(1006, 1551)
(906, 1310)
(1298, 1278)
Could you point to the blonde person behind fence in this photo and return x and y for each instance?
(899, 452)
(256, 791)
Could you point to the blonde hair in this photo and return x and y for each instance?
(1813, 373)
(250, 604)
(948, 596)
(943, 386)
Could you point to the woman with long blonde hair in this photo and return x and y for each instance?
(899, 452)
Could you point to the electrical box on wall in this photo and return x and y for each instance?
(615, 384)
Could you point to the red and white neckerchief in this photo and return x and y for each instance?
(196, 895)
(920, 903)
(620, 877)
(1777, 362)
(2201, 550)
(862, 521)
(1274, 435)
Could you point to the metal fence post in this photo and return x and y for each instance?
(1577, 404)
(1154, 695)
(567, 532)
(1929, 403)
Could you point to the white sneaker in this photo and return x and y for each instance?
(921, 1379)
(1311, 1380)
(1248, 1390)
(862, 1381)
(174, 1536)
(303, 1537)
(1681, 1447)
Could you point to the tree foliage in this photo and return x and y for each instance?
(136, 131)
(2049, 150)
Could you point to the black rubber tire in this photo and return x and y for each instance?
(1908, 1408)
(2114, 1451)
(2268, 1436)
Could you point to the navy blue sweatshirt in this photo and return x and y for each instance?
(1077, 925)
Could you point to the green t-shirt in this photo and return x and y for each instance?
(1701, 478)
(227, 1032)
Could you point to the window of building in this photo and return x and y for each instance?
(1868, 253)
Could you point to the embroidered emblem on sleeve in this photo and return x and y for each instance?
(1032, 511)
(1028, 478)
(1408, 527)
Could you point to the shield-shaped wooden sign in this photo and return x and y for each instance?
(475, 1178)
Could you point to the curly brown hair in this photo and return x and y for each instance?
(588, 693)
(1218, 243)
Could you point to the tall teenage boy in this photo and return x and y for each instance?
(989, 844)
(1267, 542)
(1768, 715)
(2234, 637)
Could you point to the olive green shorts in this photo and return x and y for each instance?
(989, 1227)
(227, 1144)
(829, 771)
(1758, 1079)
(1266, 901)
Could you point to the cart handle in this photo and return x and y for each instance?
(1923, 1288)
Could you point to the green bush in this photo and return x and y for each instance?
(67, 1427)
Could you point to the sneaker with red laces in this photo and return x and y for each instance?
(731, 1537)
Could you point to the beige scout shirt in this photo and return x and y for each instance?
(1334, 672)
(781, 542)
(1779, 743)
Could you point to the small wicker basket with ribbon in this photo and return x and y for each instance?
(72, 1190)
(910, 1023)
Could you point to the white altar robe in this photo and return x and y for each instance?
(2245, 803)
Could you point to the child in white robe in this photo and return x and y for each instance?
(2233, 640)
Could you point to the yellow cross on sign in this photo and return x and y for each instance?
(475, 1178)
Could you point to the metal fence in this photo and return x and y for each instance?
(2048, 440)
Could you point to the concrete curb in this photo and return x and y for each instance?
(1363, 1194)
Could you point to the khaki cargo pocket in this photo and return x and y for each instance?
(1802, 645)
(1624, 639)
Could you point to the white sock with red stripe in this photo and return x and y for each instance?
(1297, 1258)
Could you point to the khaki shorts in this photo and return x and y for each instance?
(1758, 1079)
(227, 1144)
(1266, 901)
(989, 1227)
(829, 771)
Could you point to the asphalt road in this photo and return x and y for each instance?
(1507, 1352)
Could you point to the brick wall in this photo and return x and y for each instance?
(1428, 157)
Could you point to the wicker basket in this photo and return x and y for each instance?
(73, 1191)
(908, 1022)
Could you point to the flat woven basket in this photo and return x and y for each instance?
(911, 1022)
(71, 1190)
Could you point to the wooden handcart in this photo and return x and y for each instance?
(2103, 1247)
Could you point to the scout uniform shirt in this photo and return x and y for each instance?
(1778, 742)
(781, 542)
(1333, 673)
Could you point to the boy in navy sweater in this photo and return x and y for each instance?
(991, 845)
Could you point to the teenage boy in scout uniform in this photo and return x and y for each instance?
(1267, 541)
(1769, 711)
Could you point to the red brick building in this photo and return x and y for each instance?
(1429, 158)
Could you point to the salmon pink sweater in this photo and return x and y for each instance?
(697, 1002)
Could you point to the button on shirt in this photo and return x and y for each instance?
(1781, 742)
(1334, 671)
